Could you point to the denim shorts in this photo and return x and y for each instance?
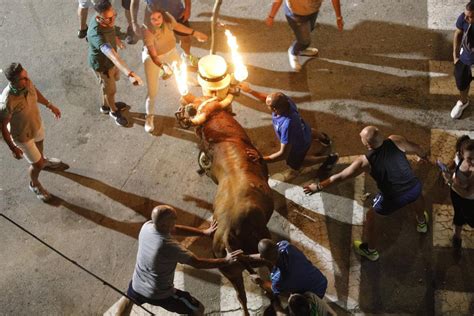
(386, 206)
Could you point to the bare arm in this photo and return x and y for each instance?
(193, 231)
(409, 147)
(259, 95)
(6, 133)
(360, 165)
(47, 104)
(336, 4)
(187, 10)
(273, 12)
(280, 154)
(211, 263)
(187, 30)
(456, 44)
(134, 6)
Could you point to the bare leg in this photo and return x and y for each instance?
(82, 14)
(234, 274)
(34, 172)
(464, 95)
(39, 145)
(369, 228)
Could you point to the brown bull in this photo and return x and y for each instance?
(243, 204)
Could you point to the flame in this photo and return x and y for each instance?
(181, 76)
(240, 71)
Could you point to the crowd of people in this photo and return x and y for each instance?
(292, 275)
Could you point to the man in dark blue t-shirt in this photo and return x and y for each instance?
(463, 56)
(294, 134)
(291, 271)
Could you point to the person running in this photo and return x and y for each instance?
(387, 163)
(159, 53)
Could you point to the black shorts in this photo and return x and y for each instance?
(463, 75)
(185, 23)
(181, 302)
(463, 210)
(126, 4)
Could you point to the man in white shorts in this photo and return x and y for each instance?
(22, 127)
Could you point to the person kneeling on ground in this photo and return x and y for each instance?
(295, 135)
(158, 254)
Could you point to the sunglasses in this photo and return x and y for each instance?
(107, 20)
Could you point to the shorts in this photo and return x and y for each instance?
(86, 4)
(385, 206)
(295, 160)
(126, 4)
(181, 302)
(185, 23)
(107, 80)
(463, 210)
(29, 148)
(463, 75)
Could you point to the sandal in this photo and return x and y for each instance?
(40, 192)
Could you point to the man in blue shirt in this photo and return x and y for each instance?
(294, 134)
(291, 271)
(463, 56)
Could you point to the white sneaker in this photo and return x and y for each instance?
(52, 163)
(294, 62)
(149, 124)
(310, 52)
(457, 110)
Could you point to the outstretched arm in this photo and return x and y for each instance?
(409, 147)
(273, 12)
(336, 4)
(245, 87)
(183, 230)
(360, 165)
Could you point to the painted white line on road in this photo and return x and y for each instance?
(403, 73)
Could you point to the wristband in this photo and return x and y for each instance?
(271, 17)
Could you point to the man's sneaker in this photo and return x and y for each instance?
(457, 110)
(293, 59)
(119, 119)
(52, 163)
(149, 124)
(330, 162)
(310, 52)
(104, 109)
(423, 227)
(82, 33)
(131, 38)
(457, 243)
(190, 59)
(363, 249)
(40, 192)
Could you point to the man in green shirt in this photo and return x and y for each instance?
(22, 127)
(105, 61)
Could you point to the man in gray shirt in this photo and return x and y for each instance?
(158, 255)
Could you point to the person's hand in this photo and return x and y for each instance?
(17, 152)
(456, 59)
(422, 159)
(134, 79)
(269, 21)
(233, 256)
(312, 188)
(340, 23)
(201, 37)
(245, 87)
(255, 278)
(120, 44)
(211, 229)
(186, 14)
(56, 111)
(253, 154)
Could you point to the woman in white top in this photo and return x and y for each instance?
(158, 54)
(462, 187)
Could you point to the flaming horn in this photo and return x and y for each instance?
(240, 71)
(181, 76)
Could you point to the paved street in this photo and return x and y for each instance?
(390, 67)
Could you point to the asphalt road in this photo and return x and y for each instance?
(391, 67)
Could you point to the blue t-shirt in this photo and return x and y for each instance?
(292, 129)
(173, 7)
(466, 56)
(294, 273)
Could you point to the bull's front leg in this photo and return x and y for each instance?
(234, 274)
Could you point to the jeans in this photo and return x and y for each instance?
(302, 26)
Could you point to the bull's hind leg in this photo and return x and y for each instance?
(234, 274)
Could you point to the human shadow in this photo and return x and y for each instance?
(349, 66)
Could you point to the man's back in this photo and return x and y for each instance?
(157, 257)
